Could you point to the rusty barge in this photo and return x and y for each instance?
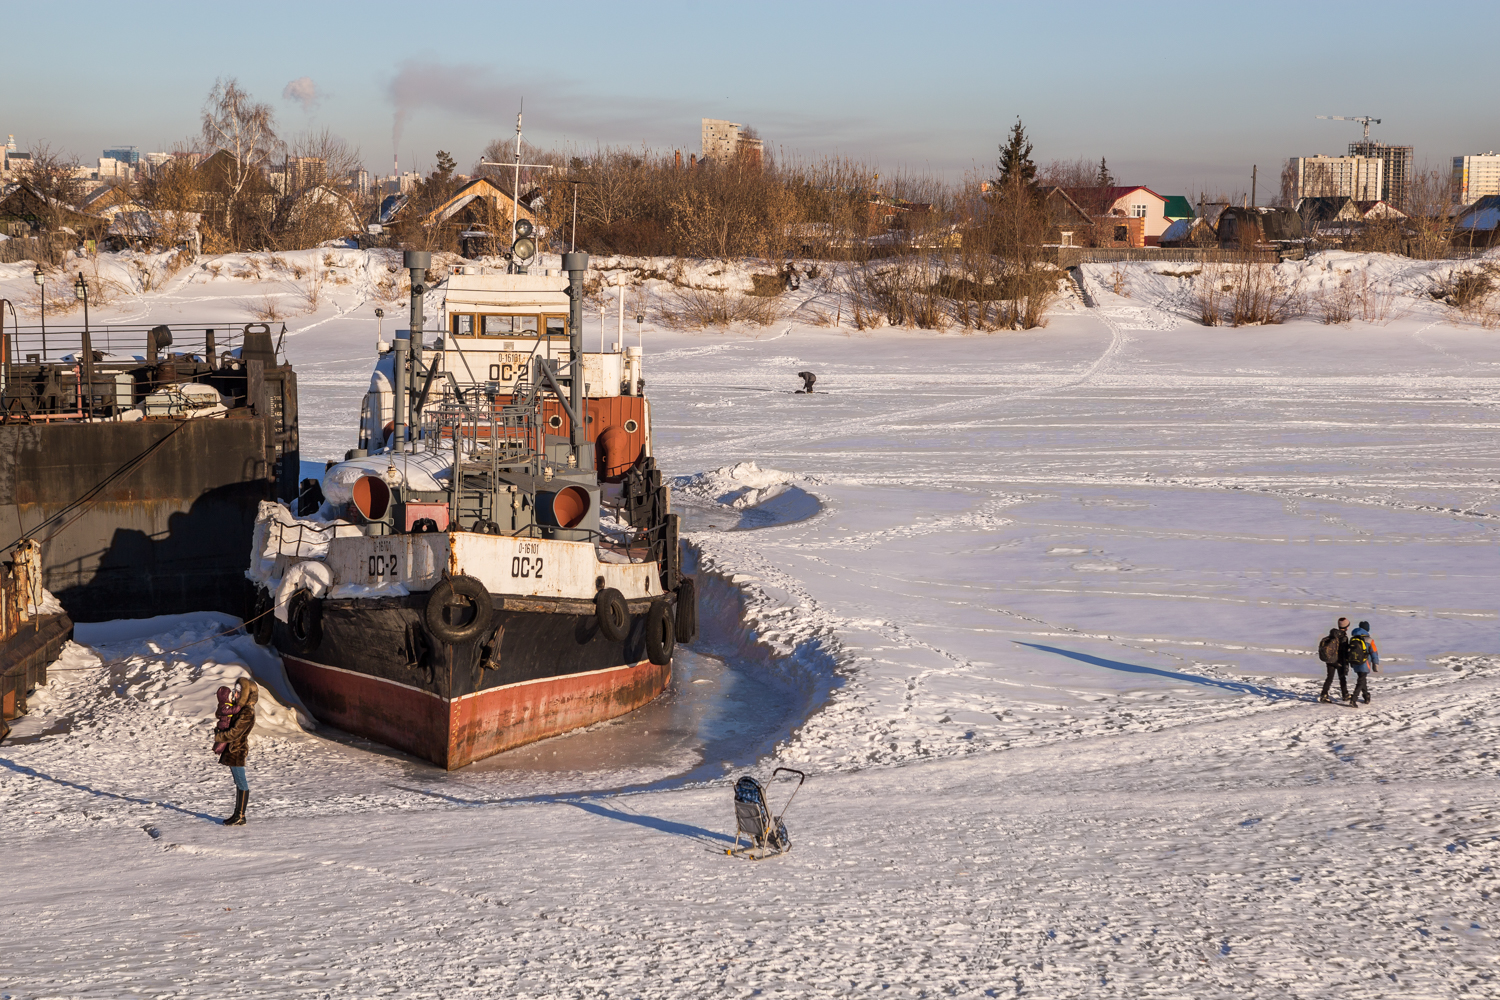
(133, 460)
(496, 562)
(137, 456)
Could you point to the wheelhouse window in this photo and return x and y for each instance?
(557, 326)
(490, 325)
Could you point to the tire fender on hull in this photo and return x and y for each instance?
(261, 622)
(687, 611)
(304, 622)
(613, 616)
(458, 610)
(661, 633)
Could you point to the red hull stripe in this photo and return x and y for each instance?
(455, 732)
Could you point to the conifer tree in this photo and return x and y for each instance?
(1015, 158)
(1105, 180)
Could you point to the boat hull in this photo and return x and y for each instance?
(377, 673)
(452, 733)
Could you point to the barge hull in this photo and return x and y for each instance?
(452, 732)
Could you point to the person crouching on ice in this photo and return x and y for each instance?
(236, 717)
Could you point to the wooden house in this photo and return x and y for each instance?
(474, 219)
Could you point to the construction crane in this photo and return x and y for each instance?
(1362, 119)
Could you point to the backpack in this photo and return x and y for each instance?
(1328, 648)
(1359, 650)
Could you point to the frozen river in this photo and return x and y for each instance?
(1035, 609)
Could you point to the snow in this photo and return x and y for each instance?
(1048, 619)
(740, 486)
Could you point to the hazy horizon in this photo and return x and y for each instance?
(1177, 96)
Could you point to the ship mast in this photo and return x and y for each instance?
(515, 190)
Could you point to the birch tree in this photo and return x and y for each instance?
(245, 131)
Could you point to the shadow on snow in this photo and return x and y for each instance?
(1259, 690)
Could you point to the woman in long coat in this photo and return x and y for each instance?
(235, 743)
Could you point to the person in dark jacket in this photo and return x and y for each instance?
(1363, 658)
(1341, 667)
(233, 743)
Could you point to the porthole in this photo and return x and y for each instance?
(554, 421)
(631, 426)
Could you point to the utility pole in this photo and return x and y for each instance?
(1253, 169)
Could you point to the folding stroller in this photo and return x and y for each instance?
(753, 819)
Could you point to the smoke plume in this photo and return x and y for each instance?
(470, 91)
(304, 91)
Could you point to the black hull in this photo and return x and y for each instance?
(170, 528)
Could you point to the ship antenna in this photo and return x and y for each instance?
(515, 190)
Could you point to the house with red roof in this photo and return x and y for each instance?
(1138, 203)
(1127, 216)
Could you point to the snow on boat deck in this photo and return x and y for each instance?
(1053, 619)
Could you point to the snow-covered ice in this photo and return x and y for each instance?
(1048, 601)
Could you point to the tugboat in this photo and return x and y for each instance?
(497, 562)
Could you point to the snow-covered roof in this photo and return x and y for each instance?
(389, 206)
(1484, 219)
(1179, 230)
(149, 224)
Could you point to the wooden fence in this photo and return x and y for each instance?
(1073, 256)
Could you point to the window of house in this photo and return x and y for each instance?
(1122, 234)
(1139, 211)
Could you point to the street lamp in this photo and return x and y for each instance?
(41, 282)
(81, 289)
(640, 319)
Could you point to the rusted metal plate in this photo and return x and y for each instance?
(463, 730)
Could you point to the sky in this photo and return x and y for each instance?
(1178, 96)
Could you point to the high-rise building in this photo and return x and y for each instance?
(1475, 176)
(1357, 177)
(125, 154)
(726, 141)
(1396, 173)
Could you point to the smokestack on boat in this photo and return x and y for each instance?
(577, 265)
(417, 262)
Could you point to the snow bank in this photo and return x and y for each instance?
(174, 664)
(740, 486)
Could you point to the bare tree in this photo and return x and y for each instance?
(318, 202)
(1089, 184)
(1288, 197)
(53, 179)
(244, 131)
(1430, 218)
(173, 191)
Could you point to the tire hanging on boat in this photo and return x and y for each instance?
(444, 613)
(612, 614)
(263, 622)
(304, 622)
(661, 633)
(687, 610)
